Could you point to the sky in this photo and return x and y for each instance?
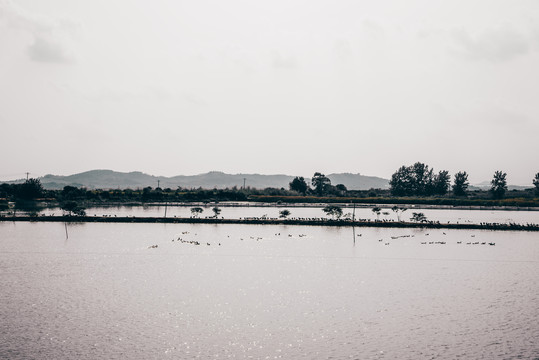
(271, 87)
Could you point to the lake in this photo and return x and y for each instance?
(234, 212)
(266, 292)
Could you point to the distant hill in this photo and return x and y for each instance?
(359, 182)
(485, 185)
(108, 179)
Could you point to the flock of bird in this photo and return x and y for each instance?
(196, 242)
(184, 240)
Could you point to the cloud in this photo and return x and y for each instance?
(498, 117)
(495, 45)
(52, 38)
(43, 50)
(343, 50)
(535, 36)
(373, 29)
(282, 62)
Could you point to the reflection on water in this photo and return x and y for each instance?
(265, 292)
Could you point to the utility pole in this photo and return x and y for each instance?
(158, 183)
(27, 173)
(244, 183)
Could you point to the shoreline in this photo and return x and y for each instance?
(346, 205)
(255, 204)
(259, 221)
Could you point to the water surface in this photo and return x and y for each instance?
(265, 292)
(441, 215)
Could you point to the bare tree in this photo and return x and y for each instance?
(377, 211)
(398, 210)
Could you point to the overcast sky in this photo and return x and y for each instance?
(291, 87)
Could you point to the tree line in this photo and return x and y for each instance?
(417, 180)
(420, 180)
(321, 186)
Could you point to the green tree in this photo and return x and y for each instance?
(216, 211)
(196, 211)
(299, 185)
(284, 213)
(333, 210)
(536, 183)
(73, 208)
(72, 193)
(401, 182)
(320, 183)
(422, 176)
(147, 193)
(341, 188)
(498, 185)
(441, 182)
(418, 217)
(418, 179)
(30, 189)
(460, 183)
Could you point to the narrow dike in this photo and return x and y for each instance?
(259, 221)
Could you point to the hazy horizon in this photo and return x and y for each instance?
(178, 88)
(479, 183)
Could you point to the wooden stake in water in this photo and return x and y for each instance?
(353, 227)
(67, 235)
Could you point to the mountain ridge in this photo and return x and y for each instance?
(110, 179)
